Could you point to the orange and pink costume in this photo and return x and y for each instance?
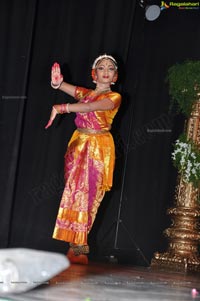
(89, 165)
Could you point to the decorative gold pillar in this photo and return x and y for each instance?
(184, 234)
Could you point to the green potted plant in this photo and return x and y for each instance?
(184, 85)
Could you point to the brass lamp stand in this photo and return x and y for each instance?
(184, 234)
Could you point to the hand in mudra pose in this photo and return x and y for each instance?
(54, 112)
(56, 76)
(56, 81)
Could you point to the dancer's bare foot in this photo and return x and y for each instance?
(78, 259)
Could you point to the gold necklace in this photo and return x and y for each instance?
(102, 91)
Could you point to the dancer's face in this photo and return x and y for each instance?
(105, 72)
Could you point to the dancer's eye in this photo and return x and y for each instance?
(100, 68)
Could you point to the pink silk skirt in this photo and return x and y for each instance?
(89, 165)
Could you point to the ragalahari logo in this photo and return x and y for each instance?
(180, 5)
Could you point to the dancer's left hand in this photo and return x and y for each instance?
(52, 117)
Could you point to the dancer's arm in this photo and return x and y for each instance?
(101, 105)
(58, 83)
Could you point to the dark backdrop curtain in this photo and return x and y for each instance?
(33, 36)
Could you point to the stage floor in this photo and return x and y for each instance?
(114, 282)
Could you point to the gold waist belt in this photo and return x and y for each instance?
(92, 131)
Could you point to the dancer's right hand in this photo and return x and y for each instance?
(56, 76)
